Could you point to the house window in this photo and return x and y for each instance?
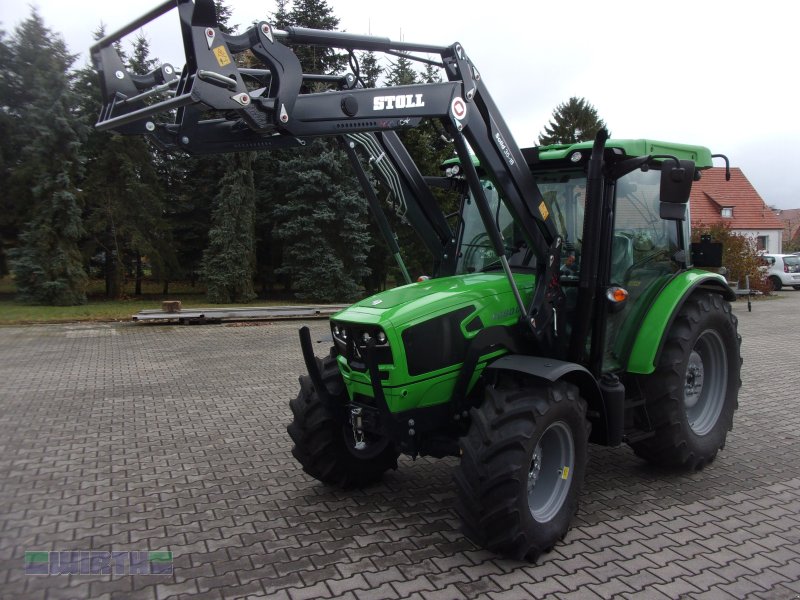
(727, 212)
(761, 242)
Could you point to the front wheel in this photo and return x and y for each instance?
(522, 467)
(797, 287)
(777, 284)
(692, 395)
(325, 446)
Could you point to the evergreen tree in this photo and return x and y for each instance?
(316, 14)
(281, 17)
(431, 74)
(312, 233)
(124, 192)
(47, 265)
(573, 121)
(9, 227)
(224, 14)
(229, 260)
(369, 69)
(428, 149)
(402, 73)
(322, 224)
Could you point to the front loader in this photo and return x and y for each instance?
(563, 305)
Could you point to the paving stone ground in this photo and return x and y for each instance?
(133, 437)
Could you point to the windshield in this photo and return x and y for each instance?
(475, 251)
(564, 193)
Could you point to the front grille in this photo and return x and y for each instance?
(351, 340)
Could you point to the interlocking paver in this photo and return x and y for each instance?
(128, 438)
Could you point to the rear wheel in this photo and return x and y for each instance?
(522, 467)
(325, 446)
(694, 391)
(797, 287)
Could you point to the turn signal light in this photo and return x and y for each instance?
(617, 294)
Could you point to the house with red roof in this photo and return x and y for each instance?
(737, 203)
(791, 223)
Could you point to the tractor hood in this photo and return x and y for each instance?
(418, 300)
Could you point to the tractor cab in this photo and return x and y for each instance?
(644, 249)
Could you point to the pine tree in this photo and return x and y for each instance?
(224, 14)
(281, 17)
(370, 70)
(229, 260)
(573, 121)
(312, 232)
(402, 73)
(9, 226)
(47, 265)
(123, 191)
(316, 14)
(322, 224)
(428, 149)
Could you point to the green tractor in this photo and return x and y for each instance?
(564, 304)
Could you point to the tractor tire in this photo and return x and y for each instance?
(522, 467)
(324, 446)
(777, 284)
(694, 391)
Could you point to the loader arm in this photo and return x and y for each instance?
(208, 108)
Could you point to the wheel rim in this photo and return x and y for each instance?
(706, 382)
(550, 472)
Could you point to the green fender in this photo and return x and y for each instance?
(647, 347)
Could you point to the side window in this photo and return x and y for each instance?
(642, 252)
(642, 240)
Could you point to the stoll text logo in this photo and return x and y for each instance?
(83, 562)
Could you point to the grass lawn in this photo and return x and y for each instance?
(98, 309)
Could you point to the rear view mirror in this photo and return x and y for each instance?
(676, 184)
(676, 181)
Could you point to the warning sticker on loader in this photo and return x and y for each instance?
(543, 211)
(222, 56)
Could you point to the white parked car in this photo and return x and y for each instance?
(783, 269)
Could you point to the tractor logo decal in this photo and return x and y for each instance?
(402, 101)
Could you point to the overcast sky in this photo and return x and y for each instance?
(723, 74)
